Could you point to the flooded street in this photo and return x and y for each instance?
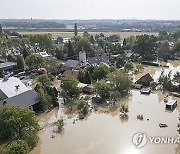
(105, 133)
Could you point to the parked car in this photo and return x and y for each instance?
(145, 91)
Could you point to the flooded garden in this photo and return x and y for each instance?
(104, 132)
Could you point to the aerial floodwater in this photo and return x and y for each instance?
(104, 132)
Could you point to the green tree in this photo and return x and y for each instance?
(70, 88)
(70, 50)
(3, 149)
(113, 38)
(18, 124)
(83, 108)
(45, 99)
(163, 35)
(85, 44)
(44, 80)
(1, 30)
(42, 42)
(59, 124)
(145, 46)
(120, 61)
(1, 73)
(128, 66)
(103, 89)
(100, 72)
(124, 109)
(20, 63)
(114, 95)
(92, 39)
(18, 147)
(120, 81)
(75, 30)
(34, 61)
(164, 50)
(176, 48)
(176, 34)
(25, 53)
(84, 76)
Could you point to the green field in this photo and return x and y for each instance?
(71, 34)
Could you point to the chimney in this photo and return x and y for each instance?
(17, 87)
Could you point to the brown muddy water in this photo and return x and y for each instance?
(105, 133)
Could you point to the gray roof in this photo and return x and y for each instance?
(129, 54)
(72, 63)
(99, 50)
(98, 59)
(25, 99)
(7, 64)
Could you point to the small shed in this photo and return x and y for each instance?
(171, 104)
(87, 89)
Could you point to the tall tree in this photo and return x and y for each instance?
(164, 50)
(1, 31)
(20, 63)
(70, 49)
(75, 30)
(103, 89)
(145, 46)
(70, 87)
(120, 81)
(34, 60)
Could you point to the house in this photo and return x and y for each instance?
(44, 54)
(28, 99)
(95, 61)
(71, 64)
(14, 93)
(11, 87)
(145, 80)
(131, 55)
(7, 66)
(66, 40)
(72, 73)
(171, 104)
(99, 51)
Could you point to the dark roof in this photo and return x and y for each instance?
(99, 50)
(87, 89)
(73, 73)
(72, 63)
(98, 59)
(146, 78)
(7, 64)
(25, 99)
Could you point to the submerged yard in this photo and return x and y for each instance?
(104, 132)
